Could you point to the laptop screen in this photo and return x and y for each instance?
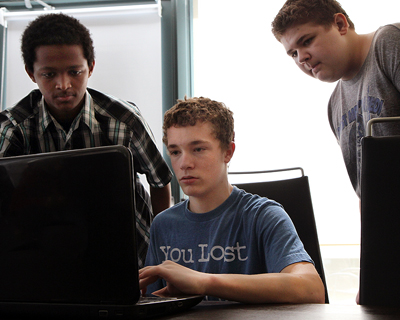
(67, 227)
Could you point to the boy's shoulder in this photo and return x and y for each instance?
(172, 213)
(114, 107)
(389, 31)
(385, 45)
(25, 109)
(108, 106)
(395, 25)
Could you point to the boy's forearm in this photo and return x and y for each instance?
(297, 283)
(266, 288)
(160, 198)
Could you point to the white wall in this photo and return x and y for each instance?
(128, 59)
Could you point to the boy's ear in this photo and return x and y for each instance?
(30, 74)
(230, 151)
(91, 67)
(341, 23)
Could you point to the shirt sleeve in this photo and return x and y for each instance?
(147, 157)
(388, 52)
(10, 138)
(282, 244)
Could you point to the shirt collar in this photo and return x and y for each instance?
(87, 115)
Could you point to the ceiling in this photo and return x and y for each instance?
(19, 5)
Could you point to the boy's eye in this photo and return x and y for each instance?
(308, 41)
(173, 153)
(294, 54)
(48, 74)
(76, 72)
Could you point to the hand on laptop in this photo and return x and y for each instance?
(180, 280)
(296, 283)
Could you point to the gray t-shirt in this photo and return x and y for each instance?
(374, 92)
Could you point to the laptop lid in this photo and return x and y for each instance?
(67, 235)
(67, 228)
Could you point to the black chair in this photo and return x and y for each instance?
(294, 195)
(380, 218)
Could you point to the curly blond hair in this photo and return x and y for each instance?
(189, 111)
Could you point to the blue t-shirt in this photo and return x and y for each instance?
(247, 234)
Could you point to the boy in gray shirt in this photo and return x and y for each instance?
(321, 39)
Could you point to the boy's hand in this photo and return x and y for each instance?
(180, 280)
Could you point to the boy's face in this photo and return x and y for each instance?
(199, 163)
(318, 51)
(61, 73)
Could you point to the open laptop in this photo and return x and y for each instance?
(67, 236)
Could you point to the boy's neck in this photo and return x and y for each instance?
(361, 45)
(209, 203)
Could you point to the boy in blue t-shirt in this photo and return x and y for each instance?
(222, 242)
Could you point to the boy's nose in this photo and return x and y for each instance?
(63, 82)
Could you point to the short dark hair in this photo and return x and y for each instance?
(296, 12)
(55, 29)
(189, 111)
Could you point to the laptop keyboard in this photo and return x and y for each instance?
(155, 299)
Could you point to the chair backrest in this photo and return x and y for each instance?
(380, 219)
(294, 195)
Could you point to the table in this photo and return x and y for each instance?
(233, 311)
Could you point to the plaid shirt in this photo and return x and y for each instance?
(28, 128)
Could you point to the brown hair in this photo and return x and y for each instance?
(296, 12)
(189, 111)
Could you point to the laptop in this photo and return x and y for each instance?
(67, 237)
